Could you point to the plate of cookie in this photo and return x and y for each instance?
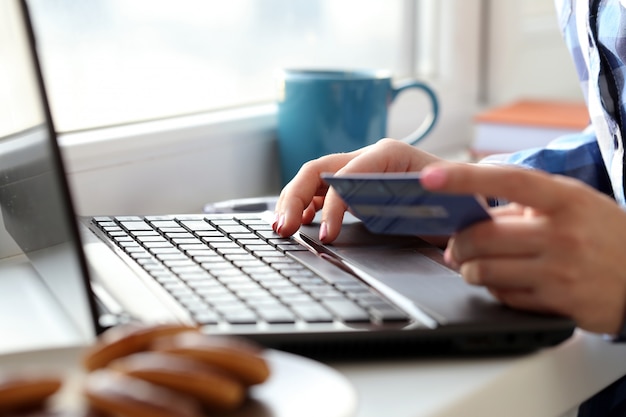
(171, 370)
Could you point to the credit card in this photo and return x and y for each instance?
(396, 203)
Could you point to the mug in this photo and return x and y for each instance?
(327, 111)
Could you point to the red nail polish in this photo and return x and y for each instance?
(281, 223)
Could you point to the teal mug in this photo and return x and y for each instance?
(322, 112)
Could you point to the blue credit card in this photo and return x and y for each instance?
(396, 203)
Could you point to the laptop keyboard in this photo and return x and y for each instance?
(238, 271)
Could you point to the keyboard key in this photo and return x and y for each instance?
(151, 238)
(289, 295)
(208, 234)
(259, 246)
(215, 239)
(193, 248)
(181, 270)
(196, 276)
(166, 279)
(119, 236)
(293, 299)
(186, 241)
(271, 235)
(277, 315)
(258, 270)
(240, 316)
(126, 245)
(312, 313)
(128, 219)
(169, 256)
(290, 247)
(180, 235)
(222, 270)
(160, 224)
(347, 310)
(157, 218)
(388, 313)
(159, 244)
(140, 255)
(233, 228)
(206, 317)
(222, 298)
(100, 219)
(231, 250)
(197, 225)
(237, 237)
(243, 257)
(105, 224)
(135, 225)
(307, 280)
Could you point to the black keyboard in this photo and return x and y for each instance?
(238, 271)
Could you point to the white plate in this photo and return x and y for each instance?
(300, 387)
(297, 386)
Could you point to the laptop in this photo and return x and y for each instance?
(366, 295)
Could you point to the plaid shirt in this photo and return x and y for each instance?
(595, 33)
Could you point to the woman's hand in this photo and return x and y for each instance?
(306, 193)
(559, 247)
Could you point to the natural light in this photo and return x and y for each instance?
(111, 62)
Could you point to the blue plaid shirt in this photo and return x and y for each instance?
(595, 33)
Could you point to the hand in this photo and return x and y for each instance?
(306, 193)
(559, 247)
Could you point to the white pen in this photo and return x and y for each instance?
(242, 205)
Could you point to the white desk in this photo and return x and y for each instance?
(547, 383)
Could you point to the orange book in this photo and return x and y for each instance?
(526, 124)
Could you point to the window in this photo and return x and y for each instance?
(112, 62)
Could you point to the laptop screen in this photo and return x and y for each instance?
(34, 197)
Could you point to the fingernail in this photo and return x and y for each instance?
(433, 177)
(281, 223)
(323, 231)
(275, 221)
(449, 259)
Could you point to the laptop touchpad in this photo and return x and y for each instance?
(413, 268)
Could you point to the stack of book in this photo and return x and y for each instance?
(525, 124)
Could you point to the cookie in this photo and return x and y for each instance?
(239, 357)
(23, 391)
(54, 413)
(125, 340)
(212, 386)
(114, 393)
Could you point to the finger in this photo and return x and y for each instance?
(523, 299)
(506, 273)
(309, 213)
(528, 187)
(332, 216)
(504, 236)
(298, 194)
(389, 155)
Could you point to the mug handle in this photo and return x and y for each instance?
(430, 120)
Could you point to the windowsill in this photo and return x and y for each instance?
(173, 165)
(105, 147)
